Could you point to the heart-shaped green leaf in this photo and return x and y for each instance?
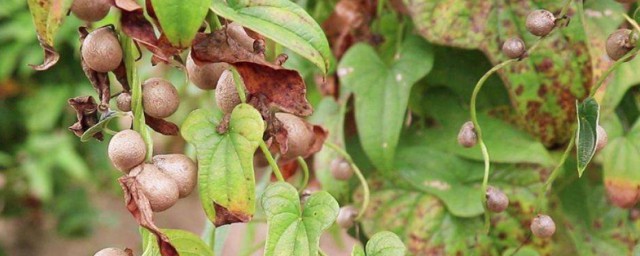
(382, 93)
(180, 20)
(385, 243)
(292, 230)
(586, 136)
(225, 161)
(186, 243)
(282, 21)
(47, 16)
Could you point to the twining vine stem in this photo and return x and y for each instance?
(363, 181)
(305, 173)
(474, 118)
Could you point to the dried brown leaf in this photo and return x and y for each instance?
(87, 115)
(162, 126)
(138, 205)
(224, 216)
(51, 57)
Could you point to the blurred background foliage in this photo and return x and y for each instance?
(46, 172)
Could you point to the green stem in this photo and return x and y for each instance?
(272, 162)
(631, 21)
(613, 67)
(214, 22)
(363, 181)
(556, 171)
(305, 173)
(237, 79)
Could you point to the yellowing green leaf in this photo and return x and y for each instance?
(226, 180)
(186, 243)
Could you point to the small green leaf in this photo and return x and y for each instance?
(292, 230)
(282, 21)
(103, 123)
(382, 93)
(180, 20)
(225, 161)
(385, 243)
(588, 112)
(186, 243)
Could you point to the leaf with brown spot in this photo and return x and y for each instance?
(47, 16)
(87, 115)
(162, 126)
(268, 85)
(138, 205)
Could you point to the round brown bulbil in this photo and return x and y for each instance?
(101, 50)
(181, 169)
(497, 201)
(619, 43)
(514, 48)
(90, 10)
(347, 216)
(111, 252)
(543, 226)
(227, 97)
(467, 136)
(159, 98)
(300, 136)
(161, 191)
(123, 101)
(540, 22)
(126, 150)
(205, 76)
(341, 169)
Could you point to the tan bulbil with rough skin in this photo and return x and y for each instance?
(540, 22)
(299, 135)
(123, 101)
(111, 252)
(237, 32)
(543, 226)
(126, 150)
(181, 169)
(205, 76)
(467, 136)
(346, 216)
(101, 50)
(619, 43)
(159, 98)
(341, 169)
(497, 201)
(91, 10)
(227, 97)
(161, 191)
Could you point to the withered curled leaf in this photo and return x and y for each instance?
(138, 205)
(162, 126)
(268, 85)
(87, 115)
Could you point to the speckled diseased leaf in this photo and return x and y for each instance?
(226, 180)
(544, 86)
(186, 243)
(296, 230)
